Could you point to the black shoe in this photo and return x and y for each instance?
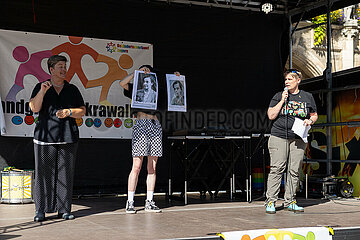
(39, 217)
(130, 207)
(66, 216)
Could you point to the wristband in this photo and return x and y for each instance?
(311, 120)
(70, 113)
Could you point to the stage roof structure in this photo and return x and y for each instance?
(293, 8)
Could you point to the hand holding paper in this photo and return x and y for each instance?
(300, 129)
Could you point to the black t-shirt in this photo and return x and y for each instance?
(51, 129)
(161, 101)
(299, 105)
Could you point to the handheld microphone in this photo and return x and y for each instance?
(286, 89)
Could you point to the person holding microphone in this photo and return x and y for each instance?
(287, 149)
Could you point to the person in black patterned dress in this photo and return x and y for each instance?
(56, 137)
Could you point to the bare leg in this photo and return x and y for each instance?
(134, 174)
(151, 177)
(150, 184)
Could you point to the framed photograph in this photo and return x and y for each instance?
(145, 90)
(176, 91)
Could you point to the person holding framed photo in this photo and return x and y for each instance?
(146, 142)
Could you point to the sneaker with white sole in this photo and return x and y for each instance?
(130, 207)
(151, 207)
(270, 208)
(294, 207)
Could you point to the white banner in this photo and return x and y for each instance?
(95, 66)
(304, 233)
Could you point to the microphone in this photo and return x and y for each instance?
(286, 89)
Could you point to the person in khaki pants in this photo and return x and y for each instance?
(287, 149)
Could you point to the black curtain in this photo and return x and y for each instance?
(231, 59)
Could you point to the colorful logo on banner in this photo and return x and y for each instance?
(128, 123)
(307, 233)
(89, 122)
(87, 58)
(31, 65)
(112, 47)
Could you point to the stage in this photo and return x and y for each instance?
(105, 218)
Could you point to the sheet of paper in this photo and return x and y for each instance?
(176, 90)
(300, 129)
(145, 90)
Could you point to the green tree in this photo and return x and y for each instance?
(337, 17)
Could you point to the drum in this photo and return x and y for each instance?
(16, 187)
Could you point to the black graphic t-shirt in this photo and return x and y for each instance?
(298, 105)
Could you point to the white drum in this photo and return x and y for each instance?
(16, 187)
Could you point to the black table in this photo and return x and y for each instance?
(194, 156)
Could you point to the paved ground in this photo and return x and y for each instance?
(104, 218)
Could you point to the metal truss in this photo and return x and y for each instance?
(288, 7)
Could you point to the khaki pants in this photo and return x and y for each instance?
(284, 152)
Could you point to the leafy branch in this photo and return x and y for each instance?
(336, 17)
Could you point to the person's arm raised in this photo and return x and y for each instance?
(273, 112)
(35, 103)
(124, 83)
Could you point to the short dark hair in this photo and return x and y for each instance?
(177, 82)
(54, 59)
(147, 66)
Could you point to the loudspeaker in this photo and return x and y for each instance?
(344, 188)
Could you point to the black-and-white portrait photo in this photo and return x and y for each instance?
(145, 91)
(176, 92)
